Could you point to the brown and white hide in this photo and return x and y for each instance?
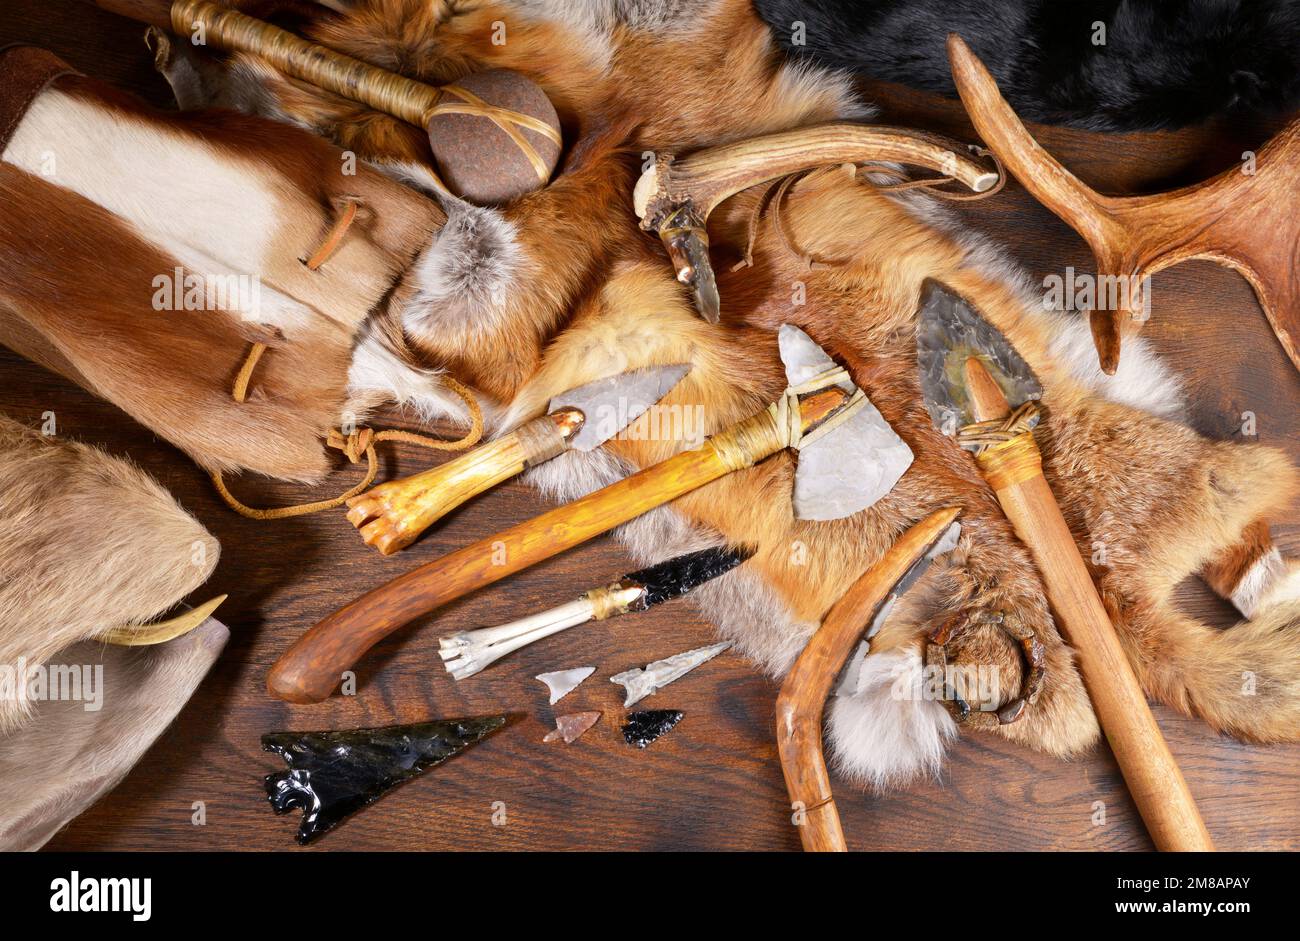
(143, 252)
(88, 543)
(575, 291)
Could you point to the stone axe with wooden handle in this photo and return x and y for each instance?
(979, 389)
(479, 164)
(848, 458)
(393, 514)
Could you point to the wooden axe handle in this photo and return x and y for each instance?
(1015, 473)
(311, 669)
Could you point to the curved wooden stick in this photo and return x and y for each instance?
(1248, 221)
(803, 695)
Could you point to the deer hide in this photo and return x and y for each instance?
(590, 294)
(88, 543)
(143, 252)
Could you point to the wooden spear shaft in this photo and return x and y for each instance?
(1015, 473)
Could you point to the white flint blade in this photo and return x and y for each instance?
(641, 683)
(611, 404)
(856, 464)
(563, 682)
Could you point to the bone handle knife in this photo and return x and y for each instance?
(311, 669)
(392, 515)
(1015, 473)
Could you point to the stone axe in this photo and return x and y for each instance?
(393, 514)
(848, 458)
(979, 389)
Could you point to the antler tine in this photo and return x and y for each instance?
(1091, 214)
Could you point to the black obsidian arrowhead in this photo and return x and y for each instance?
(334, 774)
(644, 727)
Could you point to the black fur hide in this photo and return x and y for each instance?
(1164, 64)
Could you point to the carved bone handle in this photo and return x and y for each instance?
(392, 515)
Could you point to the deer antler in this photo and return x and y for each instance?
(673, 198)
(1248, 221)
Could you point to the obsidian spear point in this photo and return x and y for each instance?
(334, 774)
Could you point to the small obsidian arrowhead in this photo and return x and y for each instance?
(334, 774)
(644, 727)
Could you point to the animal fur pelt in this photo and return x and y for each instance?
(67, 758)
(88, 543)
(561, 287)
(1107, 65)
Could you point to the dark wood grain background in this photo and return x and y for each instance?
(714, 782)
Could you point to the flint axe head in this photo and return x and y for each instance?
(949, 331)
(609, 405)
(854, 465)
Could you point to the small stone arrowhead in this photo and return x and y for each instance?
(563, 682)
(642, 728)
(571, 727)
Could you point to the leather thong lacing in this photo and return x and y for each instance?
(774, 195)
(360, 442)
(508, 121)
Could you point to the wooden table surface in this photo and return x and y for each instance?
(714, 782)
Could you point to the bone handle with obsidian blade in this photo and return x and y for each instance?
(1014, 471)
(311, 669)
(392, 515)
(802, 699)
